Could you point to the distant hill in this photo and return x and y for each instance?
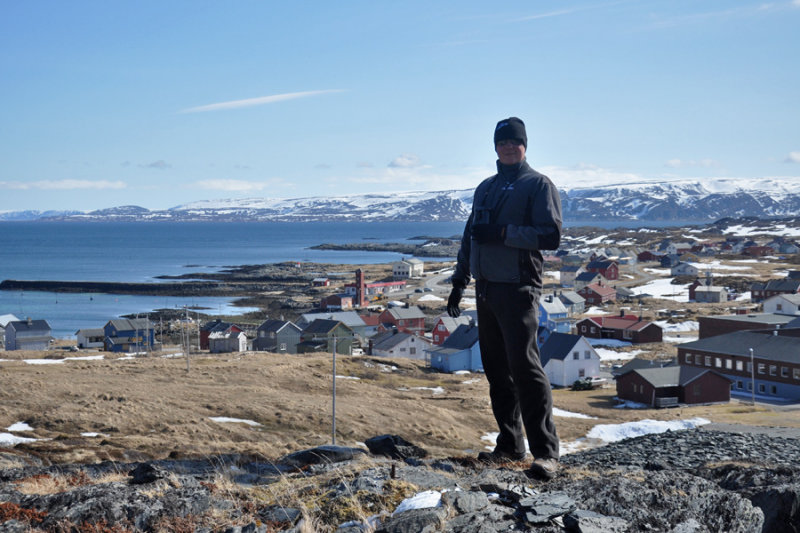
(686, 200)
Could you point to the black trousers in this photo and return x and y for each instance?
(508, 320)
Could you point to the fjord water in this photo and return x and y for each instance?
(140, 251)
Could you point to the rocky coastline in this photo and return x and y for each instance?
(711, 479)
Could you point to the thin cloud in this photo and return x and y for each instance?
(159, 165)
(62, 185)
(262, 100)
(405, 161)
(793, 157)
(570, 11)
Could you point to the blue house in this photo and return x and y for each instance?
(27, 335)
(128, 335)
(459, 352)
(554, 315)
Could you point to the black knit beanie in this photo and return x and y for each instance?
(510, 128)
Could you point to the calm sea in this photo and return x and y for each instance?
(139, 251)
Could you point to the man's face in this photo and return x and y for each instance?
(510, 151)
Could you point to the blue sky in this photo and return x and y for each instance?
(159, 103)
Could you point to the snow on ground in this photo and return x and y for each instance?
(226, 420)
(568, 414)
(612, 355)
(607, 342)
(596, 311)
(9, 439)
(663, 288)
(430, 298)
(779, 229)
(689, 325)
(602, 434)
(56, 361)
(355, 378)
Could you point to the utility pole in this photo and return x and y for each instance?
(752, 378)
(333, 430)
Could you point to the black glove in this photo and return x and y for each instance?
(453, 300)
(486, 233)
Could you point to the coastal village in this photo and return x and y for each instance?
(738, 334)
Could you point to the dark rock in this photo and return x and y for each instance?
(395, 447)
(147, 473)
(581, 521)
(321, 455)
(415, 521)
(465, 502)
(781, 508)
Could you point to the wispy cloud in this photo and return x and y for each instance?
(62, 185)
(405, 161)
(262, 100)
(571, 10)
(692, 163)
(159, 165)
(793, 157)
(236, 185)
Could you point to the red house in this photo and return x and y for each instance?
(647, 256)
(673, 385)
(629, 328)
(609, 269)
(342, 302)
(446, 325)
(407, 319)
(596, 294)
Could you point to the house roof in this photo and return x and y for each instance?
(601, 264)
(781, 285)
(638, 364)
(274, 325)
(768, 319)
(558, 346)
(570, 268)
(765, 345)
(601, 290)
(405, 313)
(552, 307)
(465, 336)
(348, 318)
(451, 324)
(628, 322)
(711, 288)
(227, 334)
(5, 319)
(91, 332)
(588, 276)
(130, 324)
(793, 298)
(322, 325)
(389, 339)
(673, 376)
(571, 297)
(30, 326)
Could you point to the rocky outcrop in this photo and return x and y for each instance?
(680, 482)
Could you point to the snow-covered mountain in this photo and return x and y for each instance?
(686, 200)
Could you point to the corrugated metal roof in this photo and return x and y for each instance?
(765, 345)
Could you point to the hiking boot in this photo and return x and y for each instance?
(544, 468)
(499, 457)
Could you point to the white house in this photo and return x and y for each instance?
(231, 341)
(4, 320)
(684, 269)
(567, 358)
(407, 268)
(91, 338)
(27, 335)
(783, 304)
(395, 343)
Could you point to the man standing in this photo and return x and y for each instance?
(515, 214)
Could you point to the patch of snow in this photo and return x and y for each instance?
(225, 420)
(19, 426)
(423, 500)
(430, 298)
(567, 414)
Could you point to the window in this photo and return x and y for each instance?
(739, 385)
(784, 372)
(436, 338)
(441, 327)
(779, 307)
(762, 388)
(729, 364)
(773, 390)
(796, 373)
(696, 390)
(708, 360)
(749, 385)
(773, 370)
(592, 329)
(283, 346)
(717, 362)
(587, 354)
(740, 366)
(581, 373)
(688, 358)
(412, 351)
(576, 356)
(749, 367)
(762, 368)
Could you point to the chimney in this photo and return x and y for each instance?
(30, 321)
(621, 313)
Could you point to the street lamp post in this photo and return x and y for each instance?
(752, 377)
